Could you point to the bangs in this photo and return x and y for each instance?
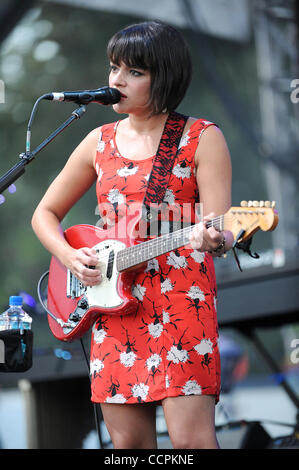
(131, 48)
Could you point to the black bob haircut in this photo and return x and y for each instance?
(161, 49)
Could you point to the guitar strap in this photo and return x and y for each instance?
(163, 164)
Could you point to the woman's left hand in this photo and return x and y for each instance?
(209, 239)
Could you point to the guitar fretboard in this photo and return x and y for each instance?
(136, 254)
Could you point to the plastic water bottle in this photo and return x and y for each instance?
(15, 317)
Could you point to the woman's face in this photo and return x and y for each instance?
(134, 85)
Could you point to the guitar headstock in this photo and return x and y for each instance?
(251, 216)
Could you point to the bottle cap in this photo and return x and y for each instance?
(15, 300)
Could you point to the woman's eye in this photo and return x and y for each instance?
(112, 68)
(136, 73)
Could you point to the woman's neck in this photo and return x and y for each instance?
(146, 125)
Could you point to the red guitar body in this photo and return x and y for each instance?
(112, 295)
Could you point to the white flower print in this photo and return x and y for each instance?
(176, 261)
(115, 196)
(152, 264)
(196, 293)
(153, 361)
(191, 387)
(96, 366)
(181, 171)
(99, 335)
(184, 140)
(176, 355)
(118, 398)
(140, 391)
(166, 286)
(100, 174)
(138, 291)
(127, 359)
(204, 347)
(125, 171)
(155, 330)
(101, 144)
(169, 196)
(198, 256)
(165, 317)
(167, 381)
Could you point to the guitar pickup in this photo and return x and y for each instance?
(110, 265)
(74, 288)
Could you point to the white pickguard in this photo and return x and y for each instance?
(105, 294)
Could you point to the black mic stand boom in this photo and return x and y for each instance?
(17, 170)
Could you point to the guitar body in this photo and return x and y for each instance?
(71, 302)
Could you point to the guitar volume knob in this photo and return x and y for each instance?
(83, 304)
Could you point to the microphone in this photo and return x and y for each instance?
(104, 95)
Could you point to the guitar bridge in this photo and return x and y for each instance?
(74, 288)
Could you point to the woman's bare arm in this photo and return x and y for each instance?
(69, 186)
(214, 179)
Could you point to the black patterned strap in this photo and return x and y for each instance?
(163, 162)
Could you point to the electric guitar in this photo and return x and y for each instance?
(73, 308)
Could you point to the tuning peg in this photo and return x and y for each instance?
(244, 204)
(267, 204)
(250, 203)
(262, 203)
(255, 203)
(273, 204)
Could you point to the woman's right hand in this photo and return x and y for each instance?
(83, 263)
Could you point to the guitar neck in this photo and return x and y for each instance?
(137, 254)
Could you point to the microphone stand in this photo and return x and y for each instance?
(17, 170)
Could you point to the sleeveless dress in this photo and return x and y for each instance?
(170, 346)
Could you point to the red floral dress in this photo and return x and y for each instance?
(170, 346)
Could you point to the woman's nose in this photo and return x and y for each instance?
(118, 78)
